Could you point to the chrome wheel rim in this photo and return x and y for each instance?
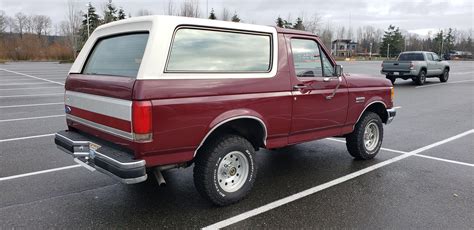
(232, 171)
(446, 75)
(371, 136)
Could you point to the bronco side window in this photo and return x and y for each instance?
(306, 58)
(328, 69)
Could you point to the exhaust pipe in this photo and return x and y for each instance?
(159, 177)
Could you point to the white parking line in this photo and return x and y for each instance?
(286, 200)
(445, 160)
(25, 138)
(386, 149)
(38, 172)
(32, 118)
(50, 87)
(33, 95)
(27, 79)
(27, 75)
(30, 105)
(446, 83)
(32, 83)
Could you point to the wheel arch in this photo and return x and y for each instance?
(378, 107)
(243, 125)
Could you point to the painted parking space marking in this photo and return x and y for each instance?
(32, 95)
(30, 105)
(50, 87)
(310, 191)
(26, 138)
(445, 83)
(32, 118)
(32, 83)
(38, 172)
(444, 160)
(27, 75)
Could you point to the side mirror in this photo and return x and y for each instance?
(338, 70)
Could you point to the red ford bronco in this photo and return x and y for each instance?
(152, 93)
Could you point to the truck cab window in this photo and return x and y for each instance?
(328, 69)
(429, 57)
(306, 58)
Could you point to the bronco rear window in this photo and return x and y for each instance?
(411, 57)
(118, 55)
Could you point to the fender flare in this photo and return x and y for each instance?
(229, 119)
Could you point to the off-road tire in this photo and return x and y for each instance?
(355, 141)
(207, 164)
(444, 76)
(421, 78)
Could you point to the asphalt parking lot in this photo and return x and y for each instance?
(423, 178)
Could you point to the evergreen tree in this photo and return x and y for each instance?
(121, 14)
(394, 38)
(110, 12)
(212, 15)
(448, 42)
(438, 42)
(279, 22)
(94, 22)
(235, 18)
(299, 24)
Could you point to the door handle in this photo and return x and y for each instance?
(300, 86)
(335, 90)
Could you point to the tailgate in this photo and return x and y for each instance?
(98, 95)
(396, 66)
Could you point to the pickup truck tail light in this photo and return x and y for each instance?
(142, 125)
(412, 65)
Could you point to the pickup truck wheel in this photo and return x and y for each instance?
(445, 76)
(420, 80)
(365, 141)
(224, 170)
(391, 78)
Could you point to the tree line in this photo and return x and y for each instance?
(35, 37)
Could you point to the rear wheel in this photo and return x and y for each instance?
(391, 78)
(225, 171)
(365, 141)
(421, 79)
(444, 76)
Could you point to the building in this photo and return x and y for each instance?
(343, 48)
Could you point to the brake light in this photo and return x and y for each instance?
(412, 65)
(142, 125)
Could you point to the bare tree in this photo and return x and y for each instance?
(313, 24)
(41, 24)
(29, 24)
(190, 8)
(225, 14)
(73, 17)
(20, 21)
(3, 21)
(144, 12)
(170, 8)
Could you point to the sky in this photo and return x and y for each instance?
(415, 16)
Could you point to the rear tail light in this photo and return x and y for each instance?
(412, 65)
(142, 125)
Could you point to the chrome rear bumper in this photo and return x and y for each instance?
(95, 155)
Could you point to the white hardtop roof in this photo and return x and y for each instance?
(161, 29)
(189, 21)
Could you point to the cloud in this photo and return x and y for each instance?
(407, 14)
